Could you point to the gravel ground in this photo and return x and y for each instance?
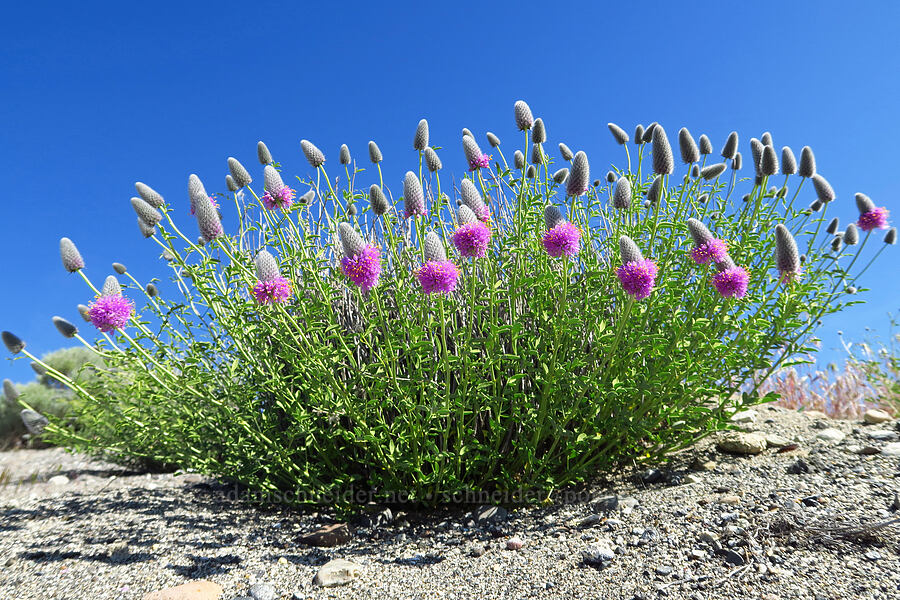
(813, 522)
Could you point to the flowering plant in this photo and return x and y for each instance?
(544, 327)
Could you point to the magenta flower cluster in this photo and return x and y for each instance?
(563, 239)
(281, 199)
(732, 282)
(638, 277)
(472, 239)
(364, 268)
(713, 251)
(111, 312)
(877, 218)
(480, 163)
(437, 276)
(274, 291)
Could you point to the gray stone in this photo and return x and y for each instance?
(732, 557)
(744, 416)
(607, 503)
(831, 435)
(773, 440)
(490, 514)
(598, 555)
(883, 435)
(589, 521)
(691, 478)
(738, 442)
(892, 449)
(664, 570)
(626, 505)
(58, 480)
(337, 572)
(262, 591)
(874, 416)
(697, 554)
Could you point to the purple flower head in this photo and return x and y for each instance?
(472, 239)
(273, 291)
(110, 312)
(364, 268)
(475, 157)
(438, 276)
(877, 218)
(638, 277)
(562, 239)
(282, 198)
(715, 250)
(732, 282)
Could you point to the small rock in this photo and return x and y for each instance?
(118, 552)
(895, 505)
(815, 414)
(869, 450)
(626, 505)
(490, 514)
(590, 521)
(328, 536)
(892, 449)
(738, 442)
(873, 555)
(476, 550)
(691, 478)
(607, 503)
(515, 543)
(773, 440)
(262, 591)
(831, 435)
(337, 572)
(883, 435)
(651, 476)
(732, 557)
(697, 554)
(664, 570)
(730, 499)
(58, 480)
(598, 555)
(874, 416)
(700, 464)
(195, 590)
(744, 416)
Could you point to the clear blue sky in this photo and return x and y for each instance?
(95, 96)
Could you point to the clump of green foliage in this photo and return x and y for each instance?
(370, 349)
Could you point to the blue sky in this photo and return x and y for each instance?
(96, 96)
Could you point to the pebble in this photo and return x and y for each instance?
(590, 521)
(744, 416)
(732, 557)
(262, 591)
(831, 435)
(730, 499)
(627, 505)
(606, 503)
(664, 570)
(892, 449)
(883, 435)
(703, 465)
(476, 550)
(691, 478)
(773, 440)
(58, 480)
(875, 416)
(515, 543)
(328, 536)
(195, 590)
(697, 554)
(490, 514)
(337, 572)
(598, 555)
(815, 414)
(738, 442)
